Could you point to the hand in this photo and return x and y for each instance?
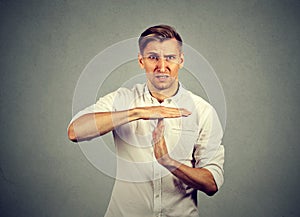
(158, 112)
(159, 146)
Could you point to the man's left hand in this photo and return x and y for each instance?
(159, 146)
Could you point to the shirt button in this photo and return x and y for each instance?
(157, 195)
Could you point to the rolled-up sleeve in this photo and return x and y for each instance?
(209, 151)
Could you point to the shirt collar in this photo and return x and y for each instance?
(175, 98)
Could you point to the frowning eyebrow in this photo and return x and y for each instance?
(157, 54)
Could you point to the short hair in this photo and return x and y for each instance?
(158, 33)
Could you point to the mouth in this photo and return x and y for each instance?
(162, 78)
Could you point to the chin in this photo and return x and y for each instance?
(162, 86)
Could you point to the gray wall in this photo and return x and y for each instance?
(254, 47)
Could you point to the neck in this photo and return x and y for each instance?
(161, 95)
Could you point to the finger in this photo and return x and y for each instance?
(161, 112)
(184, 112)
(155, 136)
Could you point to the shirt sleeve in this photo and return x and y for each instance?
(209, 151)
(104, 104)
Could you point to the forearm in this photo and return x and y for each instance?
(198, 178)
(96, 124)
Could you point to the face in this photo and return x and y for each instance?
(161, 61)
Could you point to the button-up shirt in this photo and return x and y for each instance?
(143, 188)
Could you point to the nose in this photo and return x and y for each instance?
(161, 65)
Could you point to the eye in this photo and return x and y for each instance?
(171, 57)
(153, 57)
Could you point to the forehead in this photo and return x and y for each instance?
(166, 46)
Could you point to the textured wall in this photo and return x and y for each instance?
(254, 47)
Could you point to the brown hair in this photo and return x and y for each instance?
(158, 33)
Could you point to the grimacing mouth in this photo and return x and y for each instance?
(162, 76)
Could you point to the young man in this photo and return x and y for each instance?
(168, 140)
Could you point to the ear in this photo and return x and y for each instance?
(141, 61)
(181, 60)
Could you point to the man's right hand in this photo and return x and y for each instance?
(158, 112)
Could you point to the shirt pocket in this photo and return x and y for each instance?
(181, 144)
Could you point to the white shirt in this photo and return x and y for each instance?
(143, 188)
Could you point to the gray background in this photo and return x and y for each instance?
(44, 46)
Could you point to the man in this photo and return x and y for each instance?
(168, 140)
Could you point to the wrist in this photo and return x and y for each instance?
(172, 165)
(134, 114)
(168, 162)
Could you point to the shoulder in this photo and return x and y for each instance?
(201, 104)
(124, 97)
(137, 89)
(203, 110)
